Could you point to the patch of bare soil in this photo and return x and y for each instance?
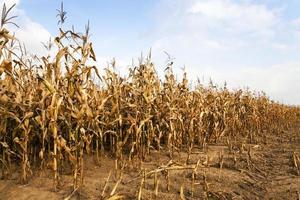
(228, 170)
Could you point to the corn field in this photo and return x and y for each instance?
(57, 110)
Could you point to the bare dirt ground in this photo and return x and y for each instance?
(265, 170)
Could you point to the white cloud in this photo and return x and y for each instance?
(30, 33)
(241, 17)
(296, 23)
(295, 26)
(242, 42)
(279, 81)
(282, 47)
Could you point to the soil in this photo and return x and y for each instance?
(237, 170)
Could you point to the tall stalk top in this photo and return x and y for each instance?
(5, 19)
(62, 14)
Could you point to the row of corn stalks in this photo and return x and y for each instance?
(55, 110)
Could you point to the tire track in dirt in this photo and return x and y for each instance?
(276, 160)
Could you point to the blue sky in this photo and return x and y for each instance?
(117, 26)
(248, 43)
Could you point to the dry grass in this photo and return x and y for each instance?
(55, 111)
